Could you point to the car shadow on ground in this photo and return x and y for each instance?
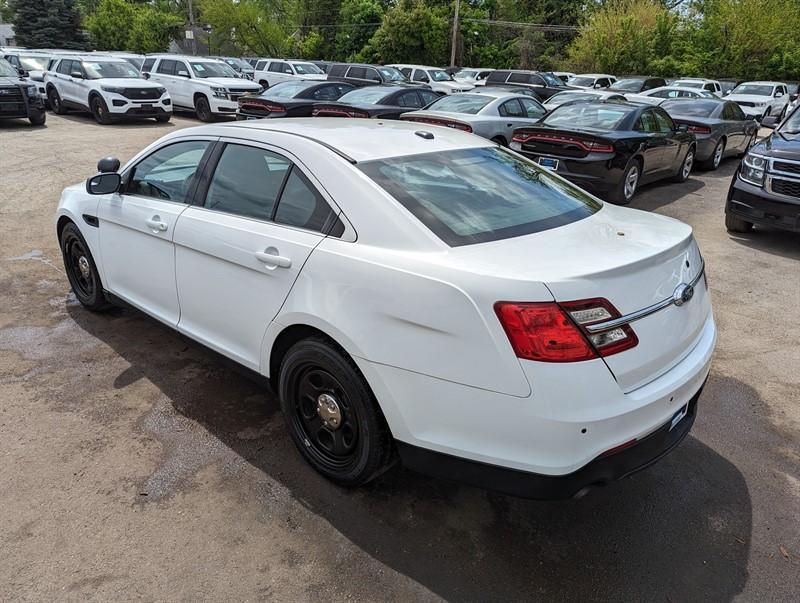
(88, 120)
(679, 529)
(770, 240)
(663, 192)
(14, 125)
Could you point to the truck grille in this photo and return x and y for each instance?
(141, 93)
(745, 104)
(790, 188)
(785, 166)
(11, 101)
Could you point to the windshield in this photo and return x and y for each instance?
(368, 95)
(583, 115)
(792, 124)
(695, 108)
(203, 69)
(390, 74)
(97, 70)
(438, 75)
(287, 89)
(136, 62)
(34, 63)
(588, 82)
(237, 63)
(628, 85)
(7, 69)
(466, 74)
(754, 89)
(477, 195)
(306, 68)
(685, 84)
(567, 97)
(460, 103)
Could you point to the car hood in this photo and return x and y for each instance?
(130, 82)
(776, 145)
(231, 82)
(750, 98)
(313, 76)
(10, 81)
(453, 85)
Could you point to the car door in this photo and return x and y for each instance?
(240, 250)
(277, 72)
(65, 87)
(514, 116)
(164, 74)
(652, 148)
(137, 226)
(738, 124)
(183, 85)
(671, 154)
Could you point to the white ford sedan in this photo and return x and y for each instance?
(412, 292)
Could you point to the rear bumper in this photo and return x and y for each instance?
(758, 206)
(599, 176)
(602, 470)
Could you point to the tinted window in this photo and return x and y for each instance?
(587, 115)
(531, 108)
(148, 65)
(261, 64)
(301, 205)
(420, 76)
(428, 96)
(63, 67)
(331, 92)
(497, 77)
(247, 182)
(537, 80)
(516, 78)
(477, 195)
(168, 173)
(372, 74)
(406, 71)
(167, 67)
(664, 122)
(338, 70)
(358, 73)
(696, 108)
(461, 103)
(511, 108)
(735, 112)
(278, 67)
(647, 122)
(408, 99)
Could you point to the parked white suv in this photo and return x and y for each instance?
(32, 61)
(109, 88)
(592, 81)
(269, 72)
(206, 86)
(760, 99)
(713, 86)
(438, 79)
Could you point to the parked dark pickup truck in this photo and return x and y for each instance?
(19, 98)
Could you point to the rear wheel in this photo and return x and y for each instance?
(332, 415)
(626, 188)
(734, 224)
(203, 109)
(54, 98)
(100, 111)
(500, 140)
(713, 162)
(81, 270)
(686, 167)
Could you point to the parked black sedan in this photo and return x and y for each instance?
(379, 102)
(609, 148)
(765, 189)
(294, 98)
(721, 127)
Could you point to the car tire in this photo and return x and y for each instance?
(626, 188)
(713, 162)
(81, 270)
(501, 140)
(100, 111)
(332, 415)
(203, 109)
(685, 169)
(54, 98)
(734, 224)
(264, 84)
(38, 118)
(162, 119)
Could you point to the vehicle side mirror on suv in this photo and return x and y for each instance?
(778, 94)
(22, 73)
(76, 74)
(103, 184)
(771, 121)
(146, 75)
(182, 73)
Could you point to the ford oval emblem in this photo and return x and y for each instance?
(683, 293)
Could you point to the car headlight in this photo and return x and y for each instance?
(219, 92)
(753, 169)
(114, 89)
(32, 90)
(760, 104)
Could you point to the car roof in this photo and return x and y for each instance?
(488, 91)
(354, 141)
(106, 58)
(765, 83)
(593, 75)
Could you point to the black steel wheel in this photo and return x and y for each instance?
(100, 111)
(203, 109)
(332, 415)
(37, 118)
(54, 98)
(81, 269)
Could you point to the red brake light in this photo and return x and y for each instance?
(551, 332)
(699, 129)
(260, 105)
(543, 332)
(591, 146)
(337, 112)
(447, 123)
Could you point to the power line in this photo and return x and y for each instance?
(522, 25)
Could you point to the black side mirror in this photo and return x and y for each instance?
(771, 121)
(22, 73)
(792, 97)
(103, 184)
(146, 75)
(107, 165)
(682, 128)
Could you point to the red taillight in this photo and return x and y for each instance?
(543, 332)
(699, 129)
(447, 123)
(591, 146)
(257, 105)
(551, 332)
(337, 112)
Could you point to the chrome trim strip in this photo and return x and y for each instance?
(639, 314)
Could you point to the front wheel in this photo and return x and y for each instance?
(38, 118)
(686, 167)
(100, 111)
(203, 109)
(81, 270)
(626, 188)
(332, 415)
(162, 119)
(734, 224)
(54, 98)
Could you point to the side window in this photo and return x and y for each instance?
(516, 78)
(498, 77)
(148, 65)
(420, 76)
(603, 82)
(168, 173)
(428, 96)
(327, 93)
(279, 67)
(664, 121)
(62, 66)
(531, 109)
(511, 108)
(406, 72)
(343, 89)
(338, 70)
(733, 112)
(647, 122)
(408, 99)
(13, 60)
(181, 68)
(301, 205)
(166, 66)
(372, 75)
(247, 182)
(665, 94)
(260, 65)
(709, 87)
(537, 80)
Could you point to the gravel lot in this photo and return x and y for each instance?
(136, 466)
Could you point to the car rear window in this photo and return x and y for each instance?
(604, 117)
(368, 95)
(461, 103)
(288, 89)
(695, 108)
(473, 196)
(631, 85)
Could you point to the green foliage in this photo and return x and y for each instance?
(124, 25)
(311, 46)
(109, 26)
(153, 29)
(356, 18)
(47, 24)
(411, 32)
(257, 27)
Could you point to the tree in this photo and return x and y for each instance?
(357, 19)
(47, 24)
(109, 26)
(411, 32)
(152, 30)
(259, 27)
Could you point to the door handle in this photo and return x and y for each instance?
(271, 258)
(509, 125)
(156, 224)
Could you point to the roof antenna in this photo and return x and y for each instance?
(424, 134)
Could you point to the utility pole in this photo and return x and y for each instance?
(191, 27)
(454, 43)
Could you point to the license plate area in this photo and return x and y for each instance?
(679, 415)
(548, 163)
